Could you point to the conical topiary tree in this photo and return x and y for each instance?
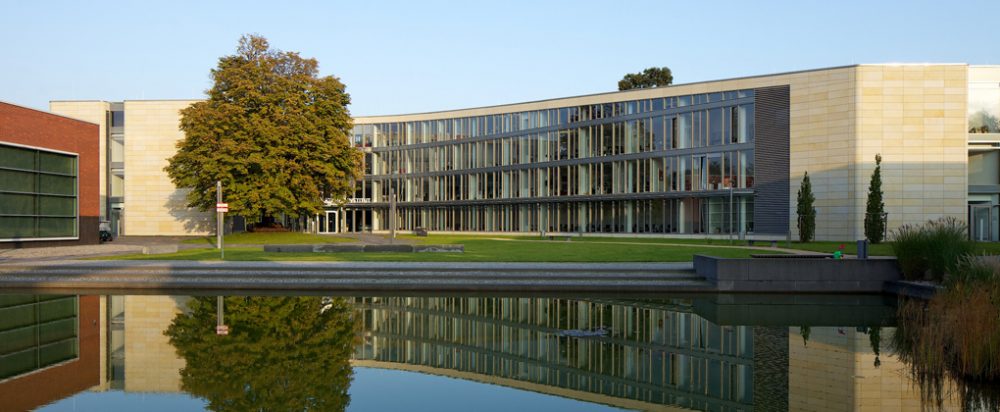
(805, 211)
(874, 224)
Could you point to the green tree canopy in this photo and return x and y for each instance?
(806, 211)
(875, 208)
(272, 130)
(282, 354)
(651, 77)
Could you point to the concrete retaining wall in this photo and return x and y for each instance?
(794, 275)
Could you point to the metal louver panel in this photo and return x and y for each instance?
(771, 149)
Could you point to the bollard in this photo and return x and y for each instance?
(863, 249)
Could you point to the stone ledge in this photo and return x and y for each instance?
(798, 275)
(159, 249)
(355, 247)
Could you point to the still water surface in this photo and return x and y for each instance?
(717, 353)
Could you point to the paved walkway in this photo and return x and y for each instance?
(67, 252)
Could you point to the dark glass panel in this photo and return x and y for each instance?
(56, 206)
(17, 157)
(56, 227)
(62, 185)
(659, 137)
(17, 181)
(17, 204)
(117, 118)
(715, 128)
(16, 227)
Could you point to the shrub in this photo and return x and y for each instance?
(931, 251)
(805, 210)
(874, 225)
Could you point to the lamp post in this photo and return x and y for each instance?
(731, 213)
(392, 215)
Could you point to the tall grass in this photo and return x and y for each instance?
(933, 250)
(956, 335)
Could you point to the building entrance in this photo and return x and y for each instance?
(328, 222)
(981, 227)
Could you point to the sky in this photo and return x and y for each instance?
(420, 56)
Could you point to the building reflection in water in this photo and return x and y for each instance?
(637, 354)
(49, 348)
(654, 353)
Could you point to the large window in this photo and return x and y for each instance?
(38, 194)
(984, 107)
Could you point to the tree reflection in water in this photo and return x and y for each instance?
(282, 353)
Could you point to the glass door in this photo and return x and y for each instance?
(332, 223)
(980, 222)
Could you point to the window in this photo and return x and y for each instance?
(117, 118)
(715, 129)
(117, 149)
(38, 194)
(984, 107)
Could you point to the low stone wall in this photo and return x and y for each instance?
(798, 275)
(159, 249)
(357, 247)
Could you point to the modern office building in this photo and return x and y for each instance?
(48, 179)
(156, 207)
(719, 158)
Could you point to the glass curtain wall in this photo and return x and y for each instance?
(657, 352)
(664, 165)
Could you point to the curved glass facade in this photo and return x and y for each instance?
(665, 165)
(655, 352)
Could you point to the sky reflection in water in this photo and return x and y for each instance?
(726, 353)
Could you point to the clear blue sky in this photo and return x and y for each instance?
(416, 56)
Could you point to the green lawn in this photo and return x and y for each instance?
(485, 248)
(882, 249)
(480, 249)
(270, 238)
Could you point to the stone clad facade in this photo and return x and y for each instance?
(838, 119)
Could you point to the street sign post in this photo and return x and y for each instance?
(220, 208)
(221, 328)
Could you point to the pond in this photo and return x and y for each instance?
(458, 352)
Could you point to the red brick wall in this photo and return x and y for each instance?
(36, 128)
(48, 385)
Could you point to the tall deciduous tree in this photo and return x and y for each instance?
(805, 211)
(273, 131)
(874, 225)
(651, 77)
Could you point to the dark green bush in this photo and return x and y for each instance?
(931, 251)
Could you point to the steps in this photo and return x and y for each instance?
(357, 276)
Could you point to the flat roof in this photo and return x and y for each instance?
(498, 106)
(46, 112)
(458, 112)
